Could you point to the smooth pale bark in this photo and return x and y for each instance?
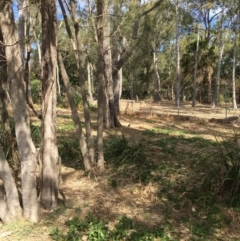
(75, 115)
(79, 59)
(101, 83)
(49, 149)
(5, 215)
(12, 198)
(22, 12)
(26, 148)
(89, 70)
(117, 86)
(156, 77)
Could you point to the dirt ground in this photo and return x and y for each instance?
(168, 107)
(138, 201)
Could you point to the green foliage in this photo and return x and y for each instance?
(219, 165)
(70, 152)
(36, 91)
(119, 151)
(128, 156)
(94, 229)
(36, 134)
(9, 144)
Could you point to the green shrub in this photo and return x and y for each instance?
(36, 91)
(219, 167)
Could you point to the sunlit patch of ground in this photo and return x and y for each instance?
(167, 200)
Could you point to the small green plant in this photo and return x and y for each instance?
(94, 229)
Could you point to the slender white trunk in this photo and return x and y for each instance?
(89, 69)
(156, 76)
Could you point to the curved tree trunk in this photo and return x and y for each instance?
(79, 58)
(25, 144)
(49, 150)
(75, 116)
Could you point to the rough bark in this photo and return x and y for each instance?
(111, 114)
(101, 84)
(75, 115)
(25, 144)
(49, 150)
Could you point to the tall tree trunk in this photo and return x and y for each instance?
(111, 114)
(49, 149)
(235, 48)
(101, 83)
(177, 84)
(27, 151)
(209, 85)
(75, 116)
(117, 86)
(220, 54)
(79, 59)
(4, 96)
(195, 71)
(156, 76)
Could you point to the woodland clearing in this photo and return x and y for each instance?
(167, 185)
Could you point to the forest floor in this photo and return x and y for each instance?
(169, 180)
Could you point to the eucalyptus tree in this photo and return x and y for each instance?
(220, 55)
(26, 148)
(89, 159)
(235, 20)
(206, 13)
(49, 158)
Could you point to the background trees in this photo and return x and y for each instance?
(128, 48)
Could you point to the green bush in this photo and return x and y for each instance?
(36, 91)
(219, 165)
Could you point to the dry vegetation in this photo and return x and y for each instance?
(163, 190)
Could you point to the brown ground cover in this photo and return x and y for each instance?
(140, 201)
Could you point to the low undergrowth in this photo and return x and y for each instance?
(92, 228)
